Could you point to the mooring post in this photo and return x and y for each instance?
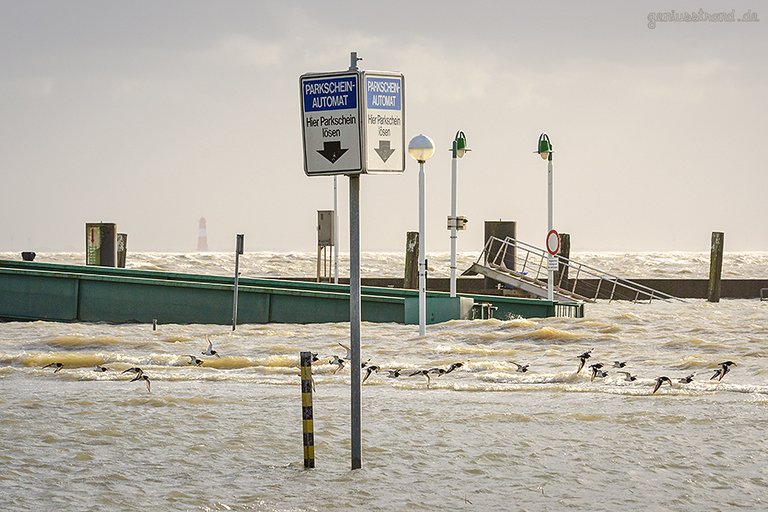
(411, 279)
(715, 266)
(561, 276)
(308, 427)
(154, 324)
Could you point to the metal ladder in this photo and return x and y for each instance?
(529, 273)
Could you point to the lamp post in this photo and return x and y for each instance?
(545, 152)
(421, 148)
(458, 149)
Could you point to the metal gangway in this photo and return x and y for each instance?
(529, 273)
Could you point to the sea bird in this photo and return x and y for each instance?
(522, 368)
(453, 367)
(583, 359)
(135, 369)
(597, 372)
(686, 380)
(339, 362)
(393, 374)
(100, 368)
(724, 368)
(209, 351)
(194, 360)
(619, 364)
(659, 381)
(145, 378)
(348, 355)
(425, 373)
(369, 370)
(56, 365)
(628, 377)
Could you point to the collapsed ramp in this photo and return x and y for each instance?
(523, 266)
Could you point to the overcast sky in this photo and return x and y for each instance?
(152, 114)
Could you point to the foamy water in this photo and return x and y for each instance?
(226, 435)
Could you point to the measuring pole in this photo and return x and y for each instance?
(238, 252)
(354, 307)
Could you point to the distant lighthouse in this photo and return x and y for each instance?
(202, 236)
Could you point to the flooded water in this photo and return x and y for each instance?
(227, 434)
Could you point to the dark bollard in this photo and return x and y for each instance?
(411, 279)
(715, 266)
(561, 276)
(28, 255)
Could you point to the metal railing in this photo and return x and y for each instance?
(529, 263)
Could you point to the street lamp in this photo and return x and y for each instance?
(458, 149)
(421, 148)
(545, 152)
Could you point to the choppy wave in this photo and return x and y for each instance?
(743, 265)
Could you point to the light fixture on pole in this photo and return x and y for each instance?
(458, 149)
(545, 152)
(421, 148)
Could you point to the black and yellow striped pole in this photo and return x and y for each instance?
(306, 410)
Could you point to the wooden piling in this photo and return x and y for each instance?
(561, 275)
(154, 324)
(715, 266)
(122, 249)
(308, 428)
(501, 229)
(411, 279)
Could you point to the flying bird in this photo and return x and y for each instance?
(339, 362)
(583, 359)
(686, 380)
(628, 377)
(56, 365)
(454, 366)
(194, 360)
(659, 381)
(369, 370)
(597, 372)
(619, 364)
(348, 355)
(522, 368)
(724, 368)
(425, 373)
(135, 369)
(100, 368)
(145, 378)
(209, 351)
(393, 374)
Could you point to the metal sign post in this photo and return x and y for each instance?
(238, 252)
(352, 123)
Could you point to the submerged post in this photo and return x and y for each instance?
(411, 278)
(238, 252)
(715, 266)
(307, 415)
